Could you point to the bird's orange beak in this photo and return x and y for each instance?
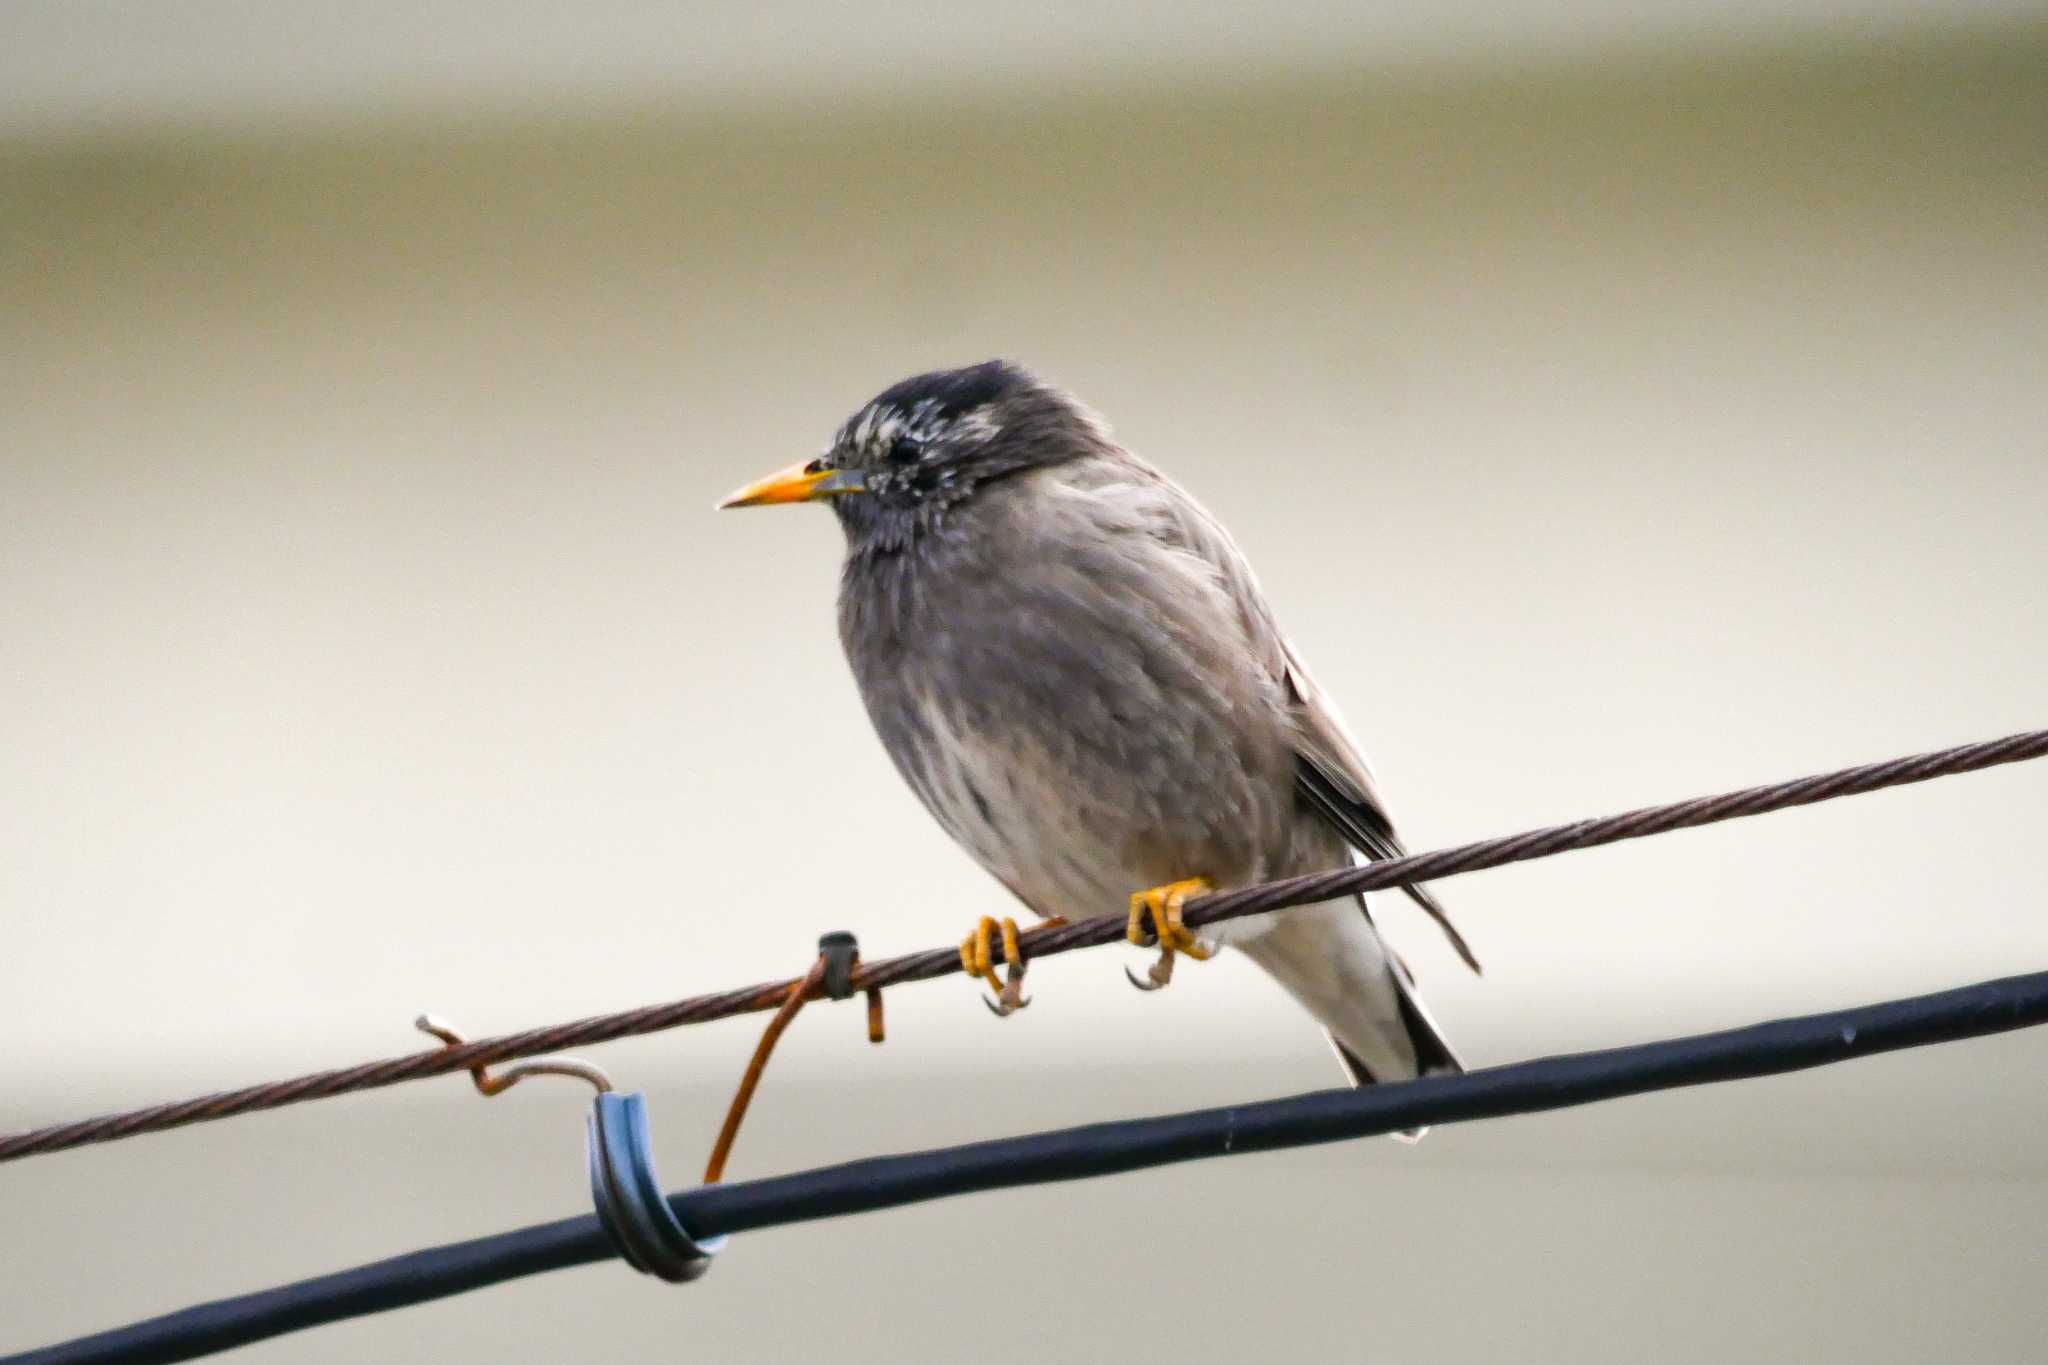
(798, 483)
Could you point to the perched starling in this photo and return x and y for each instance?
(1076, 672)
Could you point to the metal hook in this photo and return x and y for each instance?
(633, 1211)
(512, 1074)
(619, 1153)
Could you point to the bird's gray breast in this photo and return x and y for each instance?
(1072, 699)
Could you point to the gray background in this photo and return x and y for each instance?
(1618, 404)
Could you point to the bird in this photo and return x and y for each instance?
(1074, 668)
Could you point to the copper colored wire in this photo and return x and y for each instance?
(714, 1169)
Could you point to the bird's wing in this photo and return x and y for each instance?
(1331, 772)
(1338, 782)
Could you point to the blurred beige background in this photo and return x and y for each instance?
(1618, 404)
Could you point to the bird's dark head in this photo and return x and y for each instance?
(923, 447)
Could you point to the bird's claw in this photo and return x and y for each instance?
(1161, 904)
(977, 959)
(1005, 1003)
(1010, 996)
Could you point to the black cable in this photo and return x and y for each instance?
(1074, 1153)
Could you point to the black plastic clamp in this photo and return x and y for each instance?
(842, 953)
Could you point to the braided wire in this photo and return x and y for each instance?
(1048, 940)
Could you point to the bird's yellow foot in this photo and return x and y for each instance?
(977, 959)
(1162, 904)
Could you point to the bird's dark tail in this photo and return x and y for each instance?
(1433, 1054)
(1330, 957)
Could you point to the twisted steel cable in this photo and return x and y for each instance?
(1048, 940)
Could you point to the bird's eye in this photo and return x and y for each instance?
(906, 450)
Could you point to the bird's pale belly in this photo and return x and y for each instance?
(1073, 825)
